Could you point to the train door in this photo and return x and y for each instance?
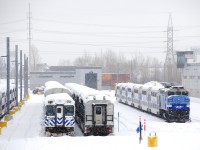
(99, 115)
(59, 115)
(91, 80)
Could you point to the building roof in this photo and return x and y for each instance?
(70, 68)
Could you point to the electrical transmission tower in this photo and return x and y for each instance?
(170, 64)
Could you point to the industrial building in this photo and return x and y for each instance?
(89, 76)
(191, 79)
(187, 61)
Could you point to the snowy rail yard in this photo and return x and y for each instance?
(26, 132)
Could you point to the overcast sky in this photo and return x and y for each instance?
(64, 29)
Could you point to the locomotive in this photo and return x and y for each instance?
(94, 110)
(171, 103)
(59, 109)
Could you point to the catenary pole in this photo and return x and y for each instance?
(24, 75)
(20, 75)
(8, 75)
(16, 73)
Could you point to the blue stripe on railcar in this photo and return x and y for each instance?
(51, 122)
(178, 102)
(179, 107)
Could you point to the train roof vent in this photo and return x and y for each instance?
(50, 102)
(177, 87)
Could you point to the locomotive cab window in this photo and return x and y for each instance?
(98, 110)
(170, 93)
(50, 110)
(178, 92)
(69, 110)
(185, 93)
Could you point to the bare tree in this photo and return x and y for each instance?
(35, 58)
(85, 60)
(64, 62)
(142, 69)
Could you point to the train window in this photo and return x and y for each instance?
(135, 91)
(129, 90)
(69, 110)
(170, 93)
(153, 94)
(50, 110)
(98, 110)
(185, 93)
(58, 110)
(178, 92)
(144, 92)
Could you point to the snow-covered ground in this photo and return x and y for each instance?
(25, 131)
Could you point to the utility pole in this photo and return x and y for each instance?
(8, 76)
(16, 73)
(20, 75)
(169, 66)
(24, 75)
(29, 34)
(27, 94)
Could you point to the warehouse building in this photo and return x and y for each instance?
(89, 76)
(187, 61)
(191, 79)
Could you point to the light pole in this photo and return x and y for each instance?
(8, 75)
(16, 73)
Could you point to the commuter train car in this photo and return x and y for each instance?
(59, 109)
(173, 103)
(94, 110)
(3, 97)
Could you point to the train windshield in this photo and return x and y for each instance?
(170, 93)
(50, 110)
(69, 110)
(185, 93)
(178, 92)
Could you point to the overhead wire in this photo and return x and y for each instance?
(88, 44)
(14, 31)
(11, 22)
(92, 24)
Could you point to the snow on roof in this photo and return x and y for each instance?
(86, 93)
(59, 98)
(137, 85)
(154, 83)
(97, 97)
(130, 85)
(53, 87)
(52, 83)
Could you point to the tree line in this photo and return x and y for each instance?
(141, 69)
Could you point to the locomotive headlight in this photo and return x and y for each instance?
(170, 100)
